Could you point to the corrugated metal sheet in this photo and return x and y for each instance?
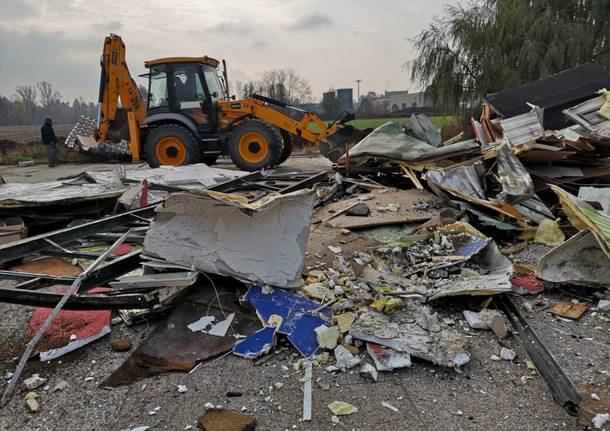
(523, 128)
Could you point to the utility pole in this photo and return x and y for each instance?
(358, 81)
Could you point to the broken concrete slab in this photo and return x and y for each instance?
(560, 265)
(360, 209)
(262, 242)
(495, 279)
(345, 359)
(387, 359)
(416, 331)
(34, 381)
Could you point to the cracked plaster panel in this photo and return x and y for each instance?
(267, 247)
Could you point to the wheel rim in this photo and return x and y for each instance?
(253, 147)
(171, 151)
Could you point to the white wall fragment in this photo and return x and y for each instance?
(264, 241)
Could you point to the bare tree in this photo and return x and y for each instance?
(48, 96)
(26, 94)
(286, 86)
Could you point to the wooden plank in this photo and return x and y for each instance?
(407, 200)
(569, 310)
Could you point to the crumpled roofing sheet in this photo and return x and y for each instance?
(189, 176)
(389, 141)
(54, 192)
(92, 185)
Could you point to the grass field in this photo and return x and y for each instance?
(365, 123)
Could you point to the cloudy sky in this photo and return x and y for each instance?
(331, 43)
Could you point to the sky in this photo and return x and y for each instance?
(330, 43)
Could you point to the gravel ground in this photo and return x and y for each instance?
(487, 394)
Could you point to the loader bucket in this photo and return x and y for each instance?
(335, 145)
(82, 138)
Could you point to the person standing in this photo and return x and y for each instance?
(49, 140)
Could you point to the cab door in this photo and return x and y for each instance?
(189, 96)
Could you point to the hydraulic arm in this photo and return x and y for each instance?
(115, 83)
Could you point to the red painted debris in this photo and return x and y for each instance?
(82, 324)
(122, 250)
(526, 284)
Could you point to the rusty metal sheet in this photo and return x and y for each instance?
(174, 347)
(49, 266)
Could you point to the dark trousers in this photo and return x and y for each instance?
(52, 154)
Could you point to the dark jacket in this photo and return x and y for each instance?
(47, 134)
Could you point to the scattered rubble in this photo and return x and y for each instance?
(33, 382)
(341, 408)
(399, 259)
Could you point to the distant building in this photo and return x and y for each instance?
(311, 107)
(346, 99)
(398, 101)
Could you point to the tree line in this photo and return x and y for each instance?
(486, 46)
(31, 104)
(285, 85)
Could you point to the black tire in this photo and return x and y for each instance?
(209, 159)
(171, 144)
(287, 138)
(248, 153)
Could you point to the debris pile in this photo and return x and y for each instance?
(392, 260)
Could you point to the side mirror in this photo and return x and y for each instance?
(233, 97)
(215, 94)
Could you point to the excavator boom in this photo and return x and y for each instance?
(330, 139)
(115, 83)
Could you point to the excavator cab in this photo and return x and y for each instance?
(183, 93)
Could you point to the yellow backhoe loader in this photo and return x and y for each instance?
(189, 116)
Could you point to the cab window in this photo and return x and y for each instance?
(211, 78)
(187, 86)
(157, 94)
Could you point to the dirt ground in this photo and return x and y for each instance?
(41, 172)
(486, 395)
